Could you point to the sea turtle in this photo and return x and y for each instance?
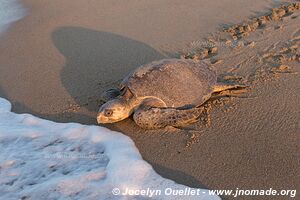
(167, 92)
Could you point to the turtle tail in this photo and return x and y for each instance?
(155, 118)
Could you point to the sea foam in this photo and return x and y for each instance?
(10, 11)
(41, 159)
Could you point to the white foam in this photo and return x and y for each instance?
(10, 11)
(41, 159)
(5, 105)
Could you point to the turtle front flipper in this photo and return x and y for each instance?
(232, 90)
(110, 94)
(154, 118)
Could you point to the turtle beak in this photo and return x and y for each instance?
(101, 119)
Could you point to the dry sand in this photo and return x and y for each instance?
(57, 61)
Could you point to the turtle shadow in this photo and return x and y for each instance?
(97, 61)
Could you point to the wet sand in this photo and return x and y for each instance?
(56, 62)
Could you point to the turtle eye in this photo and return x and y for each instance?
(108, 113)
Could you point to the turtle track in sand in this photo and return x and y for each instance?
(253, 52)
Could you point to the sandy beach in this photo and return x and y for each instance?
(56, 62)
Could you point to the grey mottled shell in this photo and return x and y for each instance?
(178, 82)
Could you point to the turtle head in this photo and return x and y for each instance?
(116, 109)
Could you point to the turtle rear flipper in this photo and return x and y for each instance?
(154, 118)
(229, 90)
(219, 87)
